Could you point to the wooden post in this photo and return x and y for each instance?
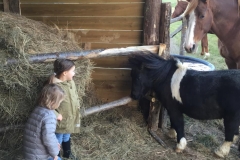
(11, 6)
(164, 30)
(151, 22)
(154, 111)
(164, 37)
(151, 37)
(6, 6)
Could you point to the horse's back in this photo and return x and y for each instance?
(208, 95)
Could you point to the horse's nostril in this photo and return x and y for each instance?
(190, 49)
(193, 47)
(187, 49)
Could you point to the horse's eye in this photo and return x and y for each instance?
(201, 16)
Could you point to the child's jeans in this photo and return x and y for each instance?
(52, 158)
(62, 137)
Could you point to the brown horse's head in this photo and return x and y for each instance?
(179, 8)
(199, 22)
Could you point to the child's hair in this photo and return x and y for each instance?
(51, 96)
(60, 65)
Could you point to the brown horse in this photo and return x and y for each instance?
(179, 9)
(223, 19)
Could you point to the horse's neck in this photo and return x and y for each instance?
(225, 17)
(165, 82)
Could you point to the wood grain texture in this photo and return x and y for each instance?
(111, 62)
(79, 1)
(101, 74)
(1, 7)
(95, 36)
(129, 9)
(105, 23)
(151, 22)
(117, 86)
(113, 45)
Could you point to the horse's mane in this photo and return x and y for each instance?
(157, 67)
(190, 7)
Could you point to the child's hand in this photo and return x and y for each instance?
(56, 158)
(59, 118)
(59, 146)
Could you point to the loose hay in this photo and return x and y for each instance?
(120, 133)
(21, 83)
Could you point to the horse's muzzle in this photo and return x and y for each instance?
(135, 97)
(190, 49)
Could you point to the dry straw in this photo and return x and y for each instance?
(117, 134)
(21, 83)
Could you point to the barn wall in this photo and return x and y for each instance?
(102, 24)
(112, 78)
(1, 5)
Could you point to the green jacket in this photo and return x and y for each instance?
(69, 108)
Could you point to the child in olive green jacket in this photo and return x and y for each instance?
(68, 113)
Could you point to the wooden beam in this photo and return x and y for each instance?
(107, 106)
(49, 57)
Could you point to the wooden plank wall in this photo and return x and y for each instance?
(104, 24)
(1, 5)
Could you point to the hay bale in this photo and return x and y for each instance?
(21, 83)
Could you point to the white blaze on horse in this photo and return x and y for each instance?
(202, 95)
(221, 17)
(179, 10)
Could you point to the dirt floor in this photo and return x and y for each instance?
(121, 133)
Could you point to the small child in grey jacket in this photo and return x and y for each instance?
(39, 141)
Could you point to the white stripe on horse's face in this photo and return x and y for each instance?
(176, 80)
(190, 31)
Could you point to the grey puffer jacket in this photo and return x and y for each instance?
(39, 140)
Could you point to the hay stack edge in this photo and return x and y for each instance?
(21, 83)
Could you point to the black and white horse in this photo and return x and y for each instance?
(202, 95)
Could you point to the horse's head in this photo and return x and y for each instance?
(199, 21)
(148, 70)
(179, 8)
(140, 83)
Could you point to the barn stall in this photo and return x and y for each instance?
(119, 133)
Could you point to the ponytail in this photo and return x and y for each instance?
(49, 80)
